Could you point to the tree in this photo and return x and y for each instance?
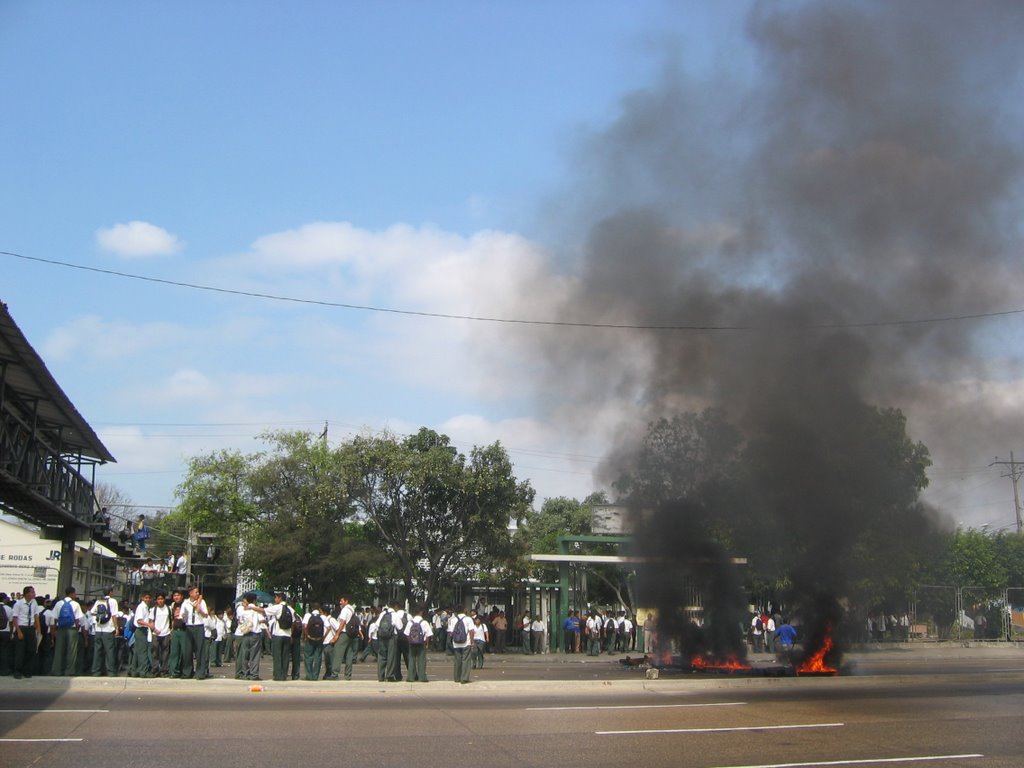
(679, 456)
(289, 509)
(436, 512)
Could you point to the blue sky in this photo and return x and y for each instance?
(403, 155)
(424, 133)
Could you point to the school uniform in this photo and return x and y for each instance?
(67, 641)
(330, 647)
(159, 639)
(418, 650)
(479, 643)
(461, 649)
(141, 665)
(197, 614)
(280, 639)
(181, 642)
(345, 649)
(314, 648)
(104, 647)
(24, 625)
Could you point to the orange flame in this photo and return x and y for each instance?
(815, 663)
(731, 663)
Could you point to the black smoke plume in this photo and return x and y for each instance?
(812, 222)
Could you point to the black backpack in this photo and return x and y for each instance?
(352, 626)
(287, 618)
(416, 634)
(459, 634)
(3, 617)
(102, 612)
(315, 627)
(386, 626)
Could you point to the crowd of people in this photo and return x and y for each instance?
(174, 633)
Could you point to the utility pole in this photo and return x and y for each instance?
(1016, 470)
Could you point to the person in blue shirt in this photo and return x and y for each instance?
(785, 636)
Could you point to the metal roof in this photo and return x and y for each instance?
(28, 378)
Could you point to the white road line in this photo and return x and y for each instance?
(723, 730)
(637, 706)
(875, 761)
(5, 741)
(62, 711)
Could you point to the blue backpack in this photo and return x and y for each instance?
(66, 617)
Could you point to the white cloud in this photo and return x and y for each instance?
(93, 338)
(138, 239)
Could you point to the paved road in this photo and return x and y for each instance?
(961, 707)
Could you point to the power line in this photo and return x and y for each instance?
(506, 320)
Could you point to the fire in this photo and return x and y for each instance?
(815, 663)
(731, 664)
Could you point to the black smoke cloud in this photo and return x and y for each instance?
(864, 177)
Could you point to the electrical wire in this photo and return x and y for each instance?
(506, 320)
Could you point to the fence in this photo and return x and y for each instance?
(945, 612)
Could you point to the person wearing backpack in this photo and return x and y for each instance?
(281, 617)
(418, 632)
(313, 628)
(66, 641)
(104, 614)
(387, 646)
(348, 638)
(462, 633)
(296, 646)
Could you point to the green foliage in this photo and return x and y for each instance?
(679, 456)
(437, 513)
(289, 507)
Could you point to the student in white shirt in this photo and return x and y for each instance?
(280, 637)
(103, 616)
(330, 645)
(479, 642)
(461, 631)
(25, 630)
(160, 635)
(249, 638)
(314, 627)
(418, 633)
(67, 640)
(348, 638)
(140, 665)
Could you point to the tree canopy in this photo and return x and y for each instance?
(320, 520)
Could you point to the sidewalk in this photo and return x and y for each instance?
(558, 674)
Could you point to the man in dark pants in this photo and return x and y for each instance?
(25, 629)
(104, 641)
(280, 636)
(388, 663)
(348, 638)
(68, 618)
(140, 665)
(197, 614)
(296, 646)
(181, 643)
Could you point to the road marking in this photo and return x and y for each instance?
(40, 712)
(724, 730)
(637, 706)
(869, 761)
(4, 741)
